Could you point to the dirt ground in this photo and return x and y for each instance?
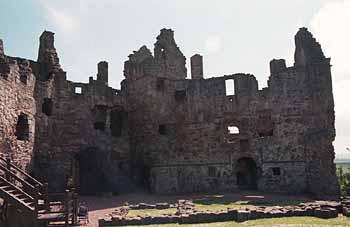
(102, 206)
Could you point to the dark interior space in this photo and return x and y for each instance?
(117, 117)
(22, 127)
(265, 124)
(88, 175)
(246, 174)
(100, 116)
(162, 130)
(180, 95)
(47, 106)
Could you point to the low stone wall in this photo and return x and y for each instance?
(188, 215)
(145, 206)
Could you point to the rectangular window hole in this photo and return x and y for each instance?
(233, 130)
(162, 130)
(100, 126)
(230, 87)
(180, 95)
(276, 171)
(22, 127)
(78, 90)
(212, 171)
(23, 78)
(160, 84)
(47, 106)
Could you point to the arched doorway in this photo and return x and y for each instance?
(89, 178)
(246, 173)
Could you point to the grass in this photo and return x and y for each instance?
(273, 222)
(345, 166)
(220, 202)
(151, 212)
(223, 202)
(304, 221)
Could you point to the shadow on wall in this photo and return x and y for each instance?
(88, 177)
(246, 174)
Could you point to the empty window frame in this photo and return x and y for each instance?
(22, 127)
(23, 78)
(117, 118)
(212, 171)
(47, 106)
(180, 95)
(78, 90)
(276, 171)
(100, 117)
(230, 87)
(232, 130)
(160, 84)
(162, 130)
(265, 124)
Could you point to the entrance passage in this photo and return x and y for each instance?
(246, 174)
(89, 177)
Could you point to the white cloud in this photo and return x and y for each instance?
(213, 44)
(60, 17)
(330, 27)
(64, 21)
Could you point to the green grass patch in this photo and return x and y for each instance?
(344, 166)
(300, 221)
(223, 202)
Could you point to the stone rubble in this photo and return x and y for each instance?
(189, 215)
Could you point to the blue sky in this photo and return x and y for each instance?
(233, 36)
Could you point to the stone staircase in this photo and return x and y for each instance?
(19, 189)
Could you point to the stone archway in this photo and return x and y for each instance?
(246, 173)
(89, 179)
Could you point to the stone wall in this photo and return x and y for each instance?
(77, 123)
(17, 108)
(168, 133)
(179, 128)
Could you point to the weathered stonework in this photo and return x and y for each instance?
(172, 134)
(17, 84)
(188, 214)
(1, 47)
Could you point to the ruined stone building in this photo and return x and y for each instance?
(169, 134)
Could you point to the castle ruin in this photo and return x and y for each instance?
(169, 134)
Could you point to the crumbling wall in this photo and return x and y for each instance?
(17, 108)
(179, 128)
(168, 133)
(79, 122)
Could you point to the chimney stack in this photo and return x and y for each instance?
(197, 67)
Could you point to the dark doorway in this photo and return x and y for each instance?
(88, 175)
(22, 127)
(145, 171)
(117, 117)
(100, 115)
(246, 174)
(47, 106)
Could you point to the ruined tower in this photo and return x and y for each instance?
(169, 56)
(197, 67)
(102, 72)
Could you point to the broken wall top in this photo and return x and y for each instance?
(307, 49)
(168, 60)
(47, 51)
(1, 47)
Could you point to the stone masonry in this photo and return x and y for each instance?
(169, 134)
